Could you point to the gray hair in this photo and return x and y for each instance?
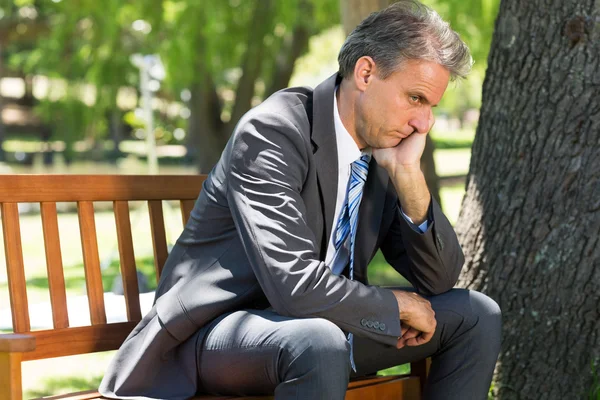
(406, 30)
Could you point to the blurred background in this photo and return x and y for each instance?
(147, 86)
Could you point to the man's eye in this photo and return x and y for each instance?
(415, 99)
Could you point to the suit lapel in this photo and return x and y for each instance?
(325, 153)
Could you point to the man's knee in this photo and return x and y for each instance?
(316, 343)
(489, 317)
(470, 311)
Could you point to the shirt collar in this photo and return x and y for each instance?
(348, 151)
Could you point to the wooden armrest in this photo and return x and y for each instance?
(16, 343)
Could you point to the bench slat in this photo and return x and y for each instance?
(400, 388)
(15, 267)
(379, 388)
(186, 209)
(78, 340)
(159, 237)
(38, 188)
(54, 265)
(127, 258)
(91, 262)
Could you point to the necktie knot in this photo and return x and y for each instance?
(360, 167)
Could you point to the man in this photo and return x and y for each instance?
(266, 290)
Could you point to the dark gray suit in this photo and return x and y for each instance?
(257, 238)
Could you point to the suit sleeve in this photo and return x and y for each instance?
(269, 164)
(432, 260)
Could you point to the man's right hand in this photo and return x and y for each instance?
(417, 317)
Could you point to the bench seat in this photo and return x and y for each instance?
(378, 388)
(63, 339)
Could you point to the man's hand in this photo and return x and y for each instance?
(405, 157)
(418, 319)
(403, 165)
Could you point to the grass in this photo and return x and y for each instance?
(594, 393)
(453, 139)
(64, 375)
(450, 162)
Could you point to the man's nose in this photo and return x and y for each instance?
(423, 122)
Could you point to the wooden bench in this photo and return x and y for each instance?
(63, 340)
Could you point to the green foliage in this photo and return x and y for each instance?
(473, 20)
(92, 42)
(594, 393)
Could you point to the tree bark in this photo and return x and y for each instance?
(206, 137)
(530, 219)
(353, 12)
(2, 126)
(207, 134)
(253, 60)
(428, 168)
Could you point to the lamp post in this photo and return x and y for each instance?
(151, 68)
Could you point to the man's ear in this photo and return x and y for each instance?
(364, 72)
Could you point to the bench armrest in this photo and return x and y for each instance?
(16, 343)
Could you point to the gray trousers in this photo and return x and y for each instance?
(255, 352)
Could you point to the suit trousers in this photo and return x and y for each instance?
(258, 352)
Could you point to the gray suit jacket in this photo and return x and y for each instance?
(257, 237)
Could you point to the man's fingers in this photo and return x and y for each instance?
(426, 337)
(410, 333)
(401, 343)
(421, 338)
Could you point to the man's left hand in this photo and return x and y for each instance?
(403, 165)
(405, 157)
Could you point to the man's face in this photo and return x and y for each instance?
(389, 110)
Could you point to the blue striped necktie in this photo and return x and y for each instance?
(348, 222)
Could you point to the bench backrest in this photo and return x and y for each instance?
(47, 190)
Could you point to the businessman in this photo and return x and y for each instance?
(266, 292)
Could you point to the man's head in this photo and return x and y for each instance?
(397, 63)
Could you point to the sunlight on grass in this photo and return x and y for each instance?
(451, 201)
(449, 162)
(64, 374)
(397, 370)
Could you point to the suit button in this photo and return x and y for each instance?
(363, 322)
(376, 325)
(370, 324)
(382, 326)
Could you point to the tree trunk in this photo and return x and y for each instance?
(206, 137)
(294, 45)
(253, 60)
(353, 12)
(428, 168)
(207, 134)
(531, 215)
(2, 127)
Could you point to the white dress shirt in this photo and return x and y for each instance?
(348, 152)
